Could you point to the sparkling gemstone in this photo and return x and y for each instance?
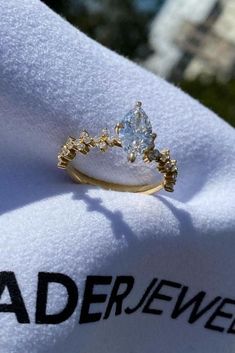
(102, 145)
(174, 168)
(65, 151)
(154, 155)
(83, 134)
(136, 132)
(165, 155)
(105, 132)
(87, 140)
(85, 137)
(79, 145)
(112, 139)
(168, 166)
(70, 143)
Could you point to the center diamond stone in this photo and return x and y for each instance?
(136, 131)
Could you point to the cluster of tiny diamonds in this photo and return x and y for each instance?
(83, 144)
(165, 165)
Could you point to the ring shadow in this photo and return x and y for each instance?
(22, 186)
(119, 226)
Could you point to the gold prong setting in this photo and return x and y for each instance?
(146, 147)
(118, 127)
(151, 155)
(168, 167)
(83, 145)
(131, 157)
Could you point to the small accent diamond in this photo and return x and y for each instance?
(154, 155)
(70, 143)
(79, 145)
(85, 137)
(103, 146)
(65, 151)
(105, 132)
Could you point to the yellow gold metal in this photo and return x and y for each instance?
(118, 127)
(131, 157)
(81, 178)
(85, 142)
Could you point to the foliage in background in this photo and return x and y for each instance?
(123, 26)
(219, 97)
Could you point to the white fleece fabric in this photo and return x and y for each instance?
(54, 82)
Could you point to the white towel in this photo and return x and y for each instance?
(54, 82)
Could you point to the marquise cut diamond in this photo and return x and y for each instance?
(136, 132)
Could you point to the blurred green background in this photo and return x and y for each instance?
(190, 43)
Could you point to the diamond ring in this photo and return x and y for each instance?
(133, 134)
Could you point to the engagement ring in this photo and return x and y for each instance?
(133, 134)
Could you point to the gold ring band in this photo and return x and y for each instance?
(133, 134)
(82, 178)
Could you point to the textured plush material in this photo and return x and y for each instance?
(54, 82)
